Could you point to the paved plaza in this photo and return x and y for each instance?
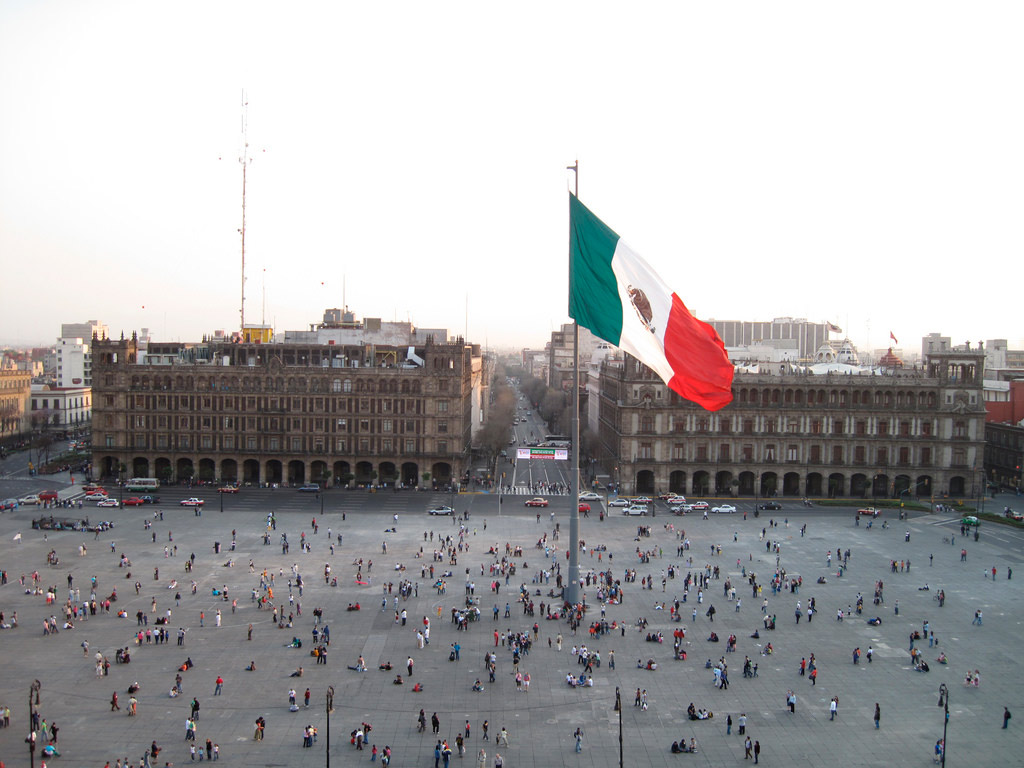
(540, 722)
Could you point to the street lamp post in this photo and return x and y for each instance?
(944, 703)
(618, 706)
(33, 702)
(330, 708)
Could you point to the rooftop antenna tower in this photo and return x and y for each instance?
(244, 160)
(263, 314)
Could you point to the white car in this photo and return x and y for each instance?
(193, 502)
(590, 496)
(32, 498)
(675, 501)
(107, 503)
(441, 511)
(724, 509)
(641, 500)
(618, 503)
(635, 509)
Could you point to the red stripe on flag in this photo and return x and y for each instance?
(702, 371)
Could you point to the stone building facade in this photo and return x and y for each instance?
(15, 392)
(292, 413)
(907, 432)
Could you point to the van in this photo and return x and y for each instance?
(636, 509)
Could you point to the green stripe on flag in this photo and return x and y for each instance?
(593, 293)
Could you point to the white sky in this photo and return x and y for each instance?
(854, 162)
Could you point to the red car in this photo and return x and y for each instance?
(134, 501)
(537, 502)
(48, 496)
(584, 508)
(95, 492)
(869, 512)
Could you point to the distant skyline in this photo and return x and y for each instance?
(851, 164)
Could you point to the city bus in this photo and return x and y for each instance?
(556, 441)
(142, 484)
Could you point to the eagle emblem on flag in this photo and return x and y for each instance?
(642, 305)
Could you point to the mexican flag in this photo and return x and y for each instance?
(615, 294)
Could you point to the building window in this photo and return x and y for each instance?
(838, 428)
(770, 426)
(748, 452)
(862, 428)
(364, 425)
(228, 442)
(702, 453)
(364, 444)
(904, 429)
(647, 424)
(296, 444)
(206, 441)
(410, 446)
(678, 451)
(816, 427)
(275, 443)
(904, 456)
(645, 450)
(140, 441)
(183, 441)
(347, 385)
(748, 426)
(959, 457)
(336, 386)
(250, 443)
(926, 456)
(442, 446)
(724, 453)
(858, 454)
(161, 441)
(110, 441)
(442, 406)
(442, 426)
(837, 454)
(815, 454)
(926, 428)
(792, 451)
(385, 425)
(883, 457)
(702, 425)
(959, 429)
(385, 444)
(340, 445)
(883, 428)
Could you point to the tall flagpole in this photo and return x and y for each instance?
(572, 587)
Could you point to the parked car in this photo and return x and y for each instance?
(635, 509)
(30, 499)
(869, 511)
(618, 503)
(441, 510)
(133, 501)
(724, 509)
(309, 488)
(150, 499)
(590, 496)
(97, 491)
(193, 502)
(641, 500)
(228, 489)
(770, 505)
(537, 502)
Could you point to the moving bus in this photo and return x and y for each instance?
(144, 484)
(556, 441)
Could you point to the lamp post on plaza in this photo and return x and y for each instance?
(330, 708)
(944, 703)
(33, 702)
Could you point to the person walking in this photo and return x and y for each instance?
(747, 746)
(1006, 717)
(728, 726)
(742, 723)
(435, 723)
(481, 758)
(757, 752)
(833, 707)
(878, 714)
(578, 736)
